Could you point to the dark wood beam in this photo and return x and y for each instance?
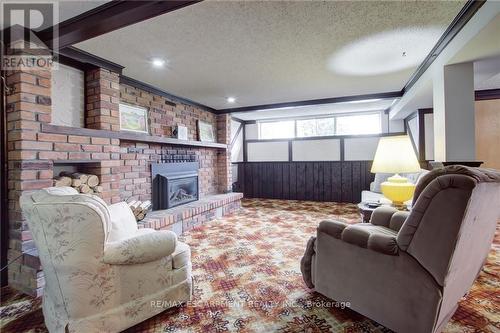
(482, 95)
(385, 95)
(106, 18)
(469, 9)
(75, 57)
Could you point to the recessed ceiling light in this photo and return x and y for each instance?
(158, 62)
(231, 99)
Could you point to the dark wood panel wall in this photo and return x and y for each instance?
(339, 181)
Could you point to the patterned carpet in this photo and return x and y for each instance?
(247, 279)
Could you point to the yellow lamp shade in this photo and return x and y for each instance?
(395, 154)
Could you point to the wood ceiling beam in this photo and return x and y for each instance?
(343, 99)
(106, 18)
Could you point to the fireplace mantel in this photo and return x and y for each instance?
(128, 136)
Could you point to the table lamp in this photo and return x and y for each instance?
(395, 154)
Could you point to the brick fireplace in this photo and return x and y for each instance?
(123, 162)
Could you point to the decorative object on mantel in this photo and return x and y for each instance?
(133, 118)
(180, 132)
(140, 208)
(205, 131)
(81, 182)
(128, 136)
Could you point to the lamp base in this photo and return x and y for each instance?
(398, 190)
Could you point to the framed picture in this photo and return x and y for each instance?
(206, 131)
(133, 118)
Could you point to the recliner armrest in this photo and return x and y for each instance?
(389, 217)
(369, 236)
(332, 228)
(142, 248)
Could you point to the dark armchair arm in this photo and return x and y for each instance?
(389, 217)
(367, 235)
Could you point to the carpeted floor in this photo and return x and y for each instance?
(247, 279)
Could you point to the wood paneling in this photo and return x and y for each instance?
(315, 181)
(488, 132)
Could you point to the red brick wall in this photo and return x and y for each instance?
(135, 168)
(163, 115)
(102, 89)
(224, 158)
(136, 158)
(123, 167)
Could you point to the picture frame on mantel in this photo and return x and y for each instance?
(133, 118)
(206, 131)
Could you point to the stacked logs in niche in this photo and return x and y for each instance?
(139, 208)
(83, 183)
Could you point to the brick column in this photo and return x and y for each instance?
(225, 180)
(102, 99)
(28, 106)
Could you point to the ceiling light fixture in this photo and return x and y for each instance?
(231, 99)
(385, 52)
(158, 62)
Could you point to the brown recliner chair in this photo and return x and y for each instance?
(408, 270)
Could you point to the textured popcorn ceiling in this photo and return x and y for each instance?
(279, 51)
(65, 9)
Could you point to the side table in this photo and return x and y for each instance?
(366, 212)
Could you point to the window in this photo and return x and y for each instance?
(277, 129)
(315, 127)
(368, 123)
(362, 124)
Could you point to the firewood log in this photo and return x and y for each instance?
(76, 182)
(134, 205)
(140, 216)
(92, 180)
(62, 181)
(84, 188)
(80, 176)
(98, 189)
(145, 205)
(65, 174)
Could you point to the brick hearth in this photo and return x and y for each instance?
(123, 166)
(186, 217)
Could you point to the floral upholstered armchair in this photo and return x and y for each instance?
(102, 273)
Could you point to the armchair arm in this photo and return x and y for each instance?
(369, 236)
(141, 248)
(388, 217)
(332, 228)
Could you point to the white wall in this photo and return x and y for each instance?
(391, 126)
(237, 149)
(453, 108)
(429, 136)
(68, 100)
(316, 150)
(252, 132)
(360, 149)
(267, 151)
